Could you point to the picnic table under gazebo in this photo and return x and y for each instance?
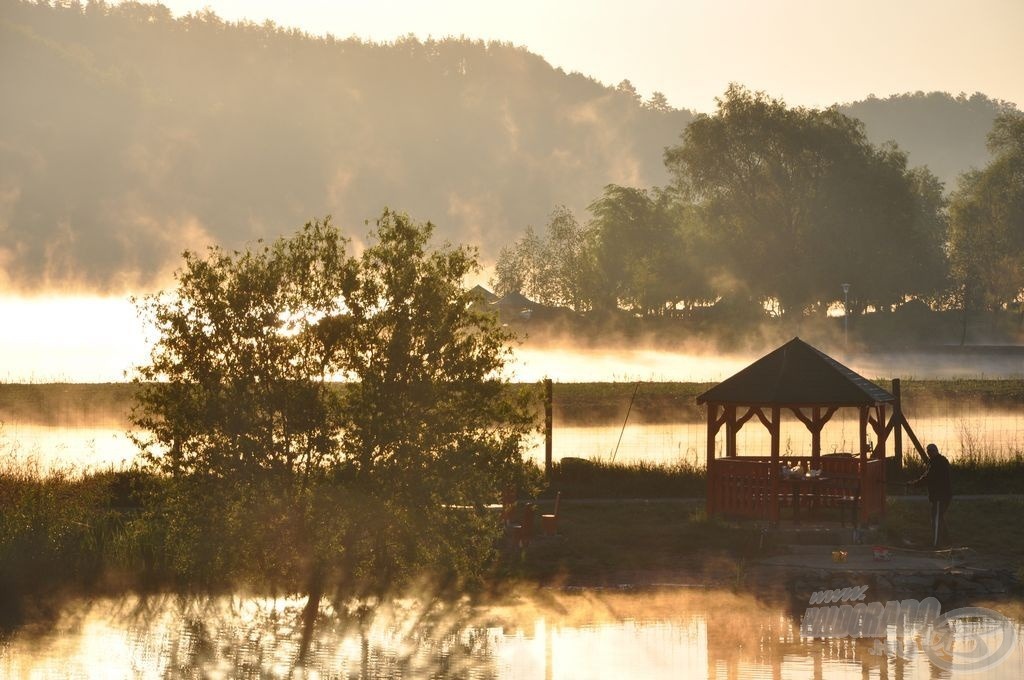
(813, 386)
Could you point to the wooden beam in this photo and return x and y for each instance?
(810, 423)
(763, 418)
(913, 438)
(829, 412)
(816, 433)
(741, 421)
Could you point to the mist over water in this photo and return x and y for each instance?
(574, 363)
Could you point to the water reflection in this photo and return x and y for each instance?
(590, 634)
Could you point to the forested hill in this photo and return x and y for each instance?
(127, 135)
(944, 132)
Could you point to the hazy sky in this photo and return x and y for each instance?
(812, 53)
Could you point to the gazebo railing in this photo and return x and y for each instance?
(740, 488)
(743, 487)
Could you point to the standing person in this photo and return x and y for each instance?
(940, 493)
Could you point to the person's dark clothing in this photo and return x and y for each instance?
(940, 486)
(940, 493)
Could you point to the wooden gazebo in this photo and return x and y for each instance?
(813, 386)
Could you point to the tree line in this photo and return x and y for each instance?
(770, 209)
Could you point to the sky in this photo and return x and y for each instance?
(811, 53)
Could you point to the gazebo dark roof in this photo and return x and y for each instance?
(482, 293)
(516, 300)
(796, 374)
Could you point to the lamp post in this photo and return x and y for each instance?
(846, 316)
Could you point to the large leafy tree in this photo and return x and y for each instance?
(554, 268)
(987, 225)
(276, 472)
(645, 251)
(797, 201)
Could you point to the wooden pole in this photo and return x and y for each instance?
(913, 439)
(773, 471)
(897, 414)
(712, 417)
(548, 427)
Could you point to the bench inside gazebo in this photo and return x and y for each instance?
(813, 386)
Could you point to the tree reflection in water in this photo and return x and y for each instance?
(652, 633)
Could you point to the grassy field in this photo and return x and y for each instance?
(989, 526)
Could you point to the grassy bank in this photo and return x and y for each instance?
(989, 526)
(580, 478)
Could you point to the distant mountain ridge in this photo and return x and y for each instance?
(127, 135)
(944, 132)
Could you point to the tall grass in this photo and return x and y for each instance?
(582, 478)
(59, 531)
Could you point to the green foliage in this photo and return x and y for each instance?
(987, 226)
(237, 380)
(797, 201)
(555, 269)
(647, 249)
(59, 533)
(278, 478)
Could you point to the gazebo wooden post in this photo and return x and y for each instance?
(863, 462)
(773, 470)
(710, 471)
(882, 433)
(816, 436)
(863, 432)
(730, 431)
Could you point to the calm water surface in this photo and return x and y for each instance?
(589, 634)
(989, 433)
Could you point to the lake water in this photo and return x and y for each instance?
(991, 433)
(677, 633)
(956, 429)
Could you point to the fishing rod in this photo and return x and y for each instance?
(623, 430)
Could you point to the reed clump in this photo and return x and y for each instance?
(597, 478)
